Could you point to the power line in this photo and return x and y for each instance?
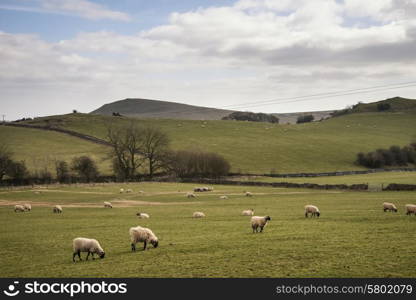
(310, 97)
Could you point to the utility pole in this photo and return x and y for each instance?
(3, 117)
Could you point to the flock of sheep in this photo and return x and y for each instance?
(145, 235)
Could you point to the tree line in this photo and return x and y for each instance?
(394, 156)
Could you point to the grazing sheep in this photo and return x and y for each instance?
(387, 206)
(248, 212)
(313, 210)
(108, 205)
(141, 234)
(257, 222)
(129, 191)
(198, 214)
(141, 192)
(248, 194)
(410, 209)
(121, 191)
(19, 208)
(143, 215)
(190, 195)
(86, 245)
(57, 209)
(223, 197)
(27, 207)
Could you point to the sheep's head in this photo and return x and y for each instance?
(155, 243)
(267, 218)
(318, 213)
(395, 209)
(138, 214)
(101, 254)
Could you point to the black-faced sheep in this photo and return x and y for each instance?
(198, 214)
(91, 246)
(57, 209)
(19, 208)
(141, 234)
(313, 210)
(108, 204)
(143, 215)
(387, 206)
(259, 222)
(410, 209)
(248, 212)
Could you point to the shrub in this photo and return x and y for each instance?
(62, 171)
(305, 119)
(85, 167)
(383, 106)
(186, 163)
(250, 116)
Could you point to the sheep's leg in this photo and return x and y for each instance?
(73, 256)
(306, 214)
(261, 229)
(133, 247)
(145, 244)
(92, 254)
(79, 254)
(88, 255)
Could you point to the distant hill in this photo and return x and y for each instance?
(145, 108)
(395, 104)
(291, 118)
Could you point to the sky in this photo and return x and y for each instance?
(257, 55)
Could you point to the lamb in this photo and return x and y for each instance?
(91, 246)
(19, 208)
(387, 206)
(248, 194)
(108, 205)
(190, 195)
(313, 210)
(410, 209)
(198, 214)
(27, 207)
(257, 222)
(143, 215)
(57, 209)
(248, 212)
(223, 197)
(141, 234)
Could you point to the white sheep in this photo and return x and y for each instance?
(141, 234)
(129, 191)
(121, 191)
(57, 209)
(190, 195)
(410, 209)
(198, 214)
(27, 207)
(19, 208)
(108, 204)
(223, 197)
(248, 212)
(313, 210)
(143, 215)
(257, 222)
(91, 246)
(387, 206)
(248, 194)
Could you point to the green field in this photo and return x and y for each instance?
(260, 148)
(383, 178)
(352, 238)
(40, 149)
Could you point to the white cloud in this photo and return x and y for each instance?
(251, 51)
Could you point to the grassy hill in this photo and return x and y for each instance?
(330, 145)
(40, 149)
(144, 108)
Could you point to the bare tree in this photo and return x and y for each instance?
(154, 148)
(126, 153)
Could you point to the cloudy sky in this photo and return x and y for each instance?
(264, 55)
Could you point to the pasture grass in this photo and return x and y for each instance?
(261, 148)
(352, 238)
